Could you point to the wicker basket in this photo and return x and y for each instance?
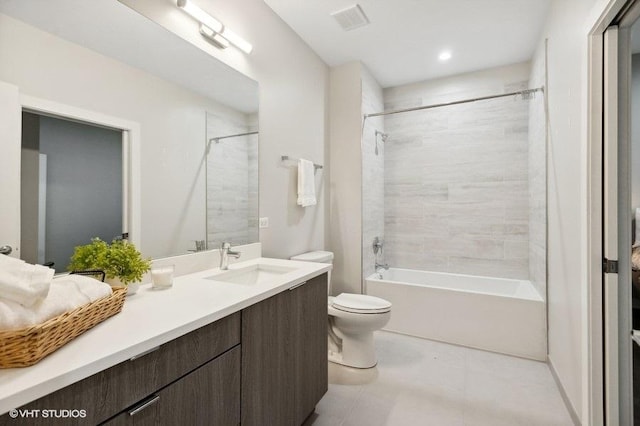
(25, 347)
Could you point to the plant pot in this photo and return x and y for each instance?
(132, 288)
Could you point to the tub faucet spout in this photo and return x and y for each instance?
(380, 268)
(382, 265)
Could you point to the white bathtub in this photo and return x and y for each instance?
(495, 314)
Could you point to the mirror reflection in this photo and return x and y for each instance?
(232, 180)
(65, 199)
(172, 97)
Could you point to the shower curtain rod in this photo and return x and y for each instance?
(232, 136)
(526, 92)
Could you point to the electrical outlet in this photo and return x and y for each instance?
(264, 222)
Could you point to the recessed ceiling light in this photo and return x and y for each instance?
(444, 56)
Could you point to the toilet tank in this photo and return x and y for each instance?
(317, 257)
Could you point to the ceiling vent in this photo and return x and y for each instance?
(351, 18)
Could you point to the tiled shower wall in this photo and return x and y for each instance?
(231, 182)
(456, 178)
(253, 150)
(537, 181)
(372, 173)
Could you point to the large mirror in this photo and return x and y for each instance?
(185, 160)
(232, 180)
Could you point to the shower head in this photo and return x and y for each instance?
(383, 136)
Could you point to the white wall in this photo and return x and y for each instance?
(567, 34)
(293, 111)
(345, 101)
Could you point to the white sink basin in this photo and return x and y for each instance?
(252, 274)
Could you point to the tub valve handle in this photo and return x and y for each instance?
(377, 245)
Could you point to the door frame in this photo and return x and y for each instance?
(131, 206)
(598, 406)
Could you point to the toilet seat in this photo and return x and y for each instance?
(360, 304)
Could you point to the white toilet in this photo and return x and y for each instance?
(352, 320)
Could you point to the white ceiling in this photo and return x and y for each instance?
(112, 29)
(402, 43)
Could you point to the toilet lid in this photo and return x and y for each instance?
(360, 303)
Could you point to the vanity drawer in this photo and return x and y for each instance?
(109, 392)
(210, 395)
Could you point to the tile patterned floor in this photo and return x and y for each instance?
(421, 382)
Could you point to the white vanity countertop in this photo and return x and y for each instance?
(148, 319)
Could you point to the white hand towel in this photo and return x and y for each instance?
(22, 282)
(306, 183)
(89, 288)
(636, 241)
(14, 316)
(66, 293)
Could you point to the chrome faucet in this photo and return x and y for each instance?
(200, 246)
(381, 265)
(225, 252)
(380, 268)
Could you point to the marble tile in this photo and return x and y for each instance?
(418, 259)
(516, 249)
(516, 230)
(465, 177)
(476, 248)
(476, 191)
(537, 178)
(373, 174)
(231, 178)
(474, 227)
(458, 173)
(501, 268)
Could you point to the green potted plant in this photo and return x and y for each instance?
(121, 262)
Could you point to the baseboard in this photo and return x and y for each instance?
(563, 394)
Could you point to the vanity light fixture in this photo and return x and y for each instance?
(215, 38)
(213, 29)
(237, 41)
(201, 16)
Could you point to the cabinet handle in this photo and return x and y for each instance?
(297, 285)
(133, 358)
(145, 404)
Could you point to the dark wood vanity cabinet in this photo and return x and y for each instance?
(125, 385)
(284, 355)
(266, 365)
(209, 395)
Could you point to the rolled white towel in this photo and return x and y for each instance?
(22, 282)
(66, 293)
